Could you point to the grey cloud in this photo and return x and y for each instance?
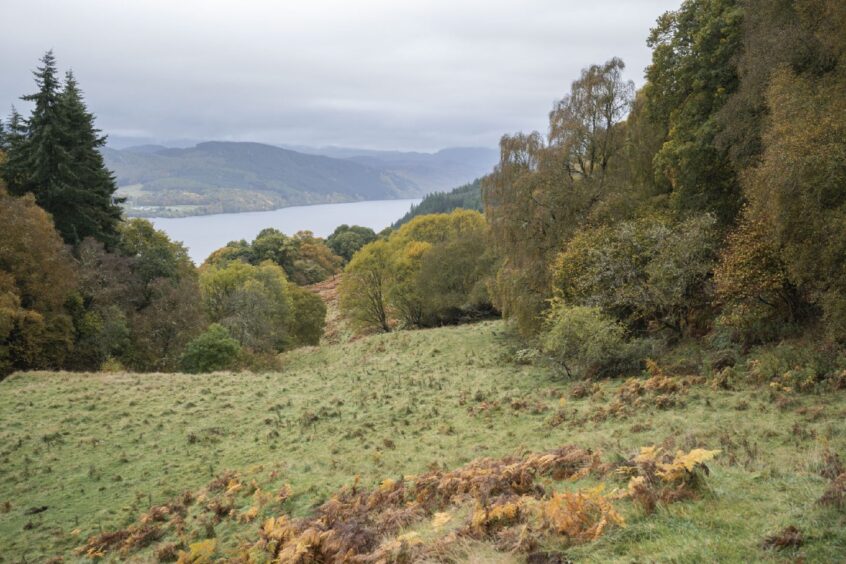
(386, 74)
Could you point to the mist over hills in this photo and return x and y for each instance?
(224, 177)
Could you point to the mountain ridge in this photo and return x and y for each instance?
(235, 176)
(224, 177)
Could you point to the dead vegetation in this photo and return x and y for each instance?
(660, 478)
(511, 503)
(789, 537)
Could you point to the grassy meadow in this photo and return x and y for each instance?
(85, 453)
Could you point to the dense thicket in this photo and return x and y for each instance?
(305, 258)
(544, 188)
(712, 200)
(434, 270)
(468, 197)
(36, 279)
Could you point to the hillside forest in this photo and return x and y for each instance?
(698, 222)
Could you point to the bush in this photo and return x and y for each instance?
(432, 271)
(305, 258)
(759, 302)
(309, 317)
(795, 365)
(346, 240)
(651, 273)
(36, 278)
(588, 342)
(253, 302)
(212, 350)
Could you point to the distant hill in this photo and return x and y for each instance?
(432, 172)
(468, 197)
(218, 177)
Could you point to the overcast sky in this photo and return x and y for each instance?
(384, 74)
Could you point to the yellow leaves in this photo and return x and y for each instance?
(501, 514)
(652, 368)
(299, 549)
(412, 538)
(647, 455)
(279, 529)
(249, 515)
(199, 552)
(694, 457)
(387, 486)
(581, 516)
(416, 249)
(284, 493)
(636, 484)
(683, 464)
(95, 553)
(440, 519)
(658, 478)
(394, 549)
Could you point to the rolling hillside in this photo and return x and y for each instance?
(432, 172)
(219, 177)
(149, 464)
(468, 196)
(216, 177)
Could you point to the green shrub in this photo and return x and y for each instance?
(112, 364)
(651, 273)
(254, 303)
(795, 365)
(212, 350)
(588, 342)
(309, 317)
(346, 240)
(434, 270)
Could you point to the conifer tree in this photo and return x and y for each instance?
(54, 155)
(13, 138)
(93, 209)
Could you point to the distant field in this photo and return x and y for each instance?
(96, 450)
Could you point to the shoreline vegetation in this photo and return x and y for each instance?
(219, 208)
(146, 214)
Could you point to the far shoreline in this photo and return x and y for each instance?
(304, 205)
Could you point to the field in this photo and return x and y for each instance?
(86, 453)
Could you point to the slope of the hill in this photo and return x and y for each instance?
(219, 177)
(432, 172)
(89, 453)
(468, 196)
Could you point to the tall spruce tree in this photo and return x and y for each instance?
(54, 154)
(92, 205)
(13, 170)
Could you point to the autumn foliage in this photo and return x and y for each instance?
(510, 502)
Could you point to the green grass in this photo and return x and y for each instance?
(98, 449)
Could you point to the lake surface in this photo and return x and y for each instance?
(206, 233)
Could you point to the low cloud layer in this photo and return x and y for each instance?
(387, 74)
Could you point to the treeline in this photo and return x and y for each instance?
(468, 197)
(711, 203)
(81, 288)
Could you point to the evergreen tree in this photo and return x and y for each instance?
(14, 136)
(54, 154)
(92, 206)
